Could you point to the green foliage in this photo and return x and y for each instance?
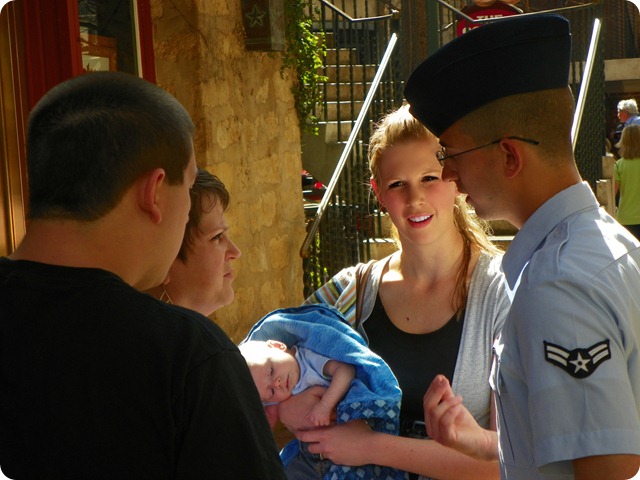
(304, 54)
(315, 274)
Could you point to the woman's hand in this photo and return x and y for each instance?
(450, 423)
(344, 444)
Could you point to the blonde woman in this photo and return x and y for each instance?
(433, 307)
(627, 179)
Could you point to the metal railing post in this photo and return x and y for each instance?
(584, 84)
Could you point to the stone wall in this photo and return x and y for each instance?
(248, 135)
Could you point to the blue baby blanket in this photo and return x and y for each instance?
(374, 394)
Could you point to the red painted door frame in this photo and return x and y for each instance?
(52, 43)
(145, 37)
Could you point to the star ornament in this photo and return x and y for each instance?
(636, 3)
(255, 16)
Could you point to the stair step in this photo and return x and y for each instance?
(337, 131)
(343, 91)
(349, 73)
(359, 90)
(331, 134)
(341, 56)
(342, 110)
(329, 38)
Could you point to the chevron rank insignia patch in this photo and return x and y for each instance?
(579, 363)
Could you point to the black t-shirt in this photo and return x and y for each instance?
(100, 381)
(414, 359)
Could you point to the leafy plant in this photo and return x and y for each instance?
(304, 54)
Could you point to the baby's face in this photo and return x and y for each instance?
(276, 375)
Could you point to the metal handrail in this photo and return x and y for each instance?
(331, 6)
(497, 19)
(584, 85)
(304, 250)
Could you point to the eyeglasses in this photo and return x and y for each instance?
(442, 154)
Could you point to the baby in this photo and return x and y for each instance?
(279, 372)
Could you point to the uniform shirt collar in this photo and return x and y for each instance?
(565, 203)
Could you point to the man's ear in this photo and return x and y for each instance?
(277, 344)
(148, 187)
(512, 157)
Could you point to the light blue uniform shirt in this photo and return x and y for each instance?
(567, 364)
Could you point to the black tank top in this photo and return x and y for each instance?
(415, 359)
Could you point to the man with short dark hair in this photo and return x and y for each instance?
(99, 380)
(566, 371)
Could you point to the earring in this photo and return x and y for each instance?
(165, 297)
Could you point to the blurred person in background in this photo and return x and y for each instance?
(627, 179)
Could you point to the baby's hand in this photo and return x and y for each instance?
(320, 415)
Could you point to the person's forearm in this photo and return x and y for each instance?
(428, 458)
(340, 383)
(483, 447)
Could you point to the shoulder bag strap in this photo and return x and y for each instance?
(363, 271)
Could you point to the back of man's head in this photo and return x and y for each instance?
(91, 137)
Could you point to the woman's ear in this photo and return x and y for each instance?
(374, 186)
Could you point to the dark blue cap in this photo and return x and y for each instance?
(520, 54)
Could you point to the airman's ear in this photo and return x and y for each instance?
(513, 158)
(148, 186)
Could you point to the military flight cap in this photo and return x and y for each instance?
(518, 54)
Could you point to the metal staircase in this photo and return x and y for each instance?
(352, 229)
(356, 34)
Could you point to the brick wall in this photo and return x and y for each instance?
(248, 135)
